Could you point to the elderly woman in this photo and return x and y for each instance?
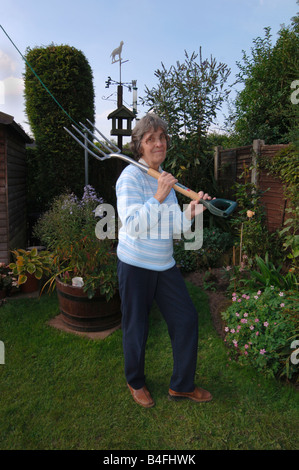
(147, 269)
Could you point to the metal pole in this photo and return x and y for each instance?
(86, 158)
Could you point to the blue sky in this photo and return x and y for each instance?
(153, 31)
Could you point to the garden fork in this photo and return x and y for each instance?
(218, 207)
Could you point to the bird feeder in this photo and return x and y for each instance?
(118, 116)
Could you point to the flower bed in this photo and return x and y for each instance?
(262, 329)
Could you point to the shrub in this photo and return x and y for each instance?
(259, 272)
(68, 230)
(261, 327)
(57, 162)
(215, 244)
(186, 259)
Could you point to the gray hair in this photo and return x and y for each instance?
(149, 122)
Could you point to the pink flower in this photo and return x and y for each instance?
(244, 320)
(262, 351)
(257, 333)
(246, 353)
(226, 329)
(259, 292)
(232, 330)
(245, 314)
(239, 300)
(282, 305)
(251, 327)
(281, 294)
(246, 346)
(234, 299)
(237, 314)
(256, 320)
(256, 297)
(266, 324)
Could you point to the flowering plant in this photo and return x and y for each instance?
(7, 278)
(261, 328)
(68, 230)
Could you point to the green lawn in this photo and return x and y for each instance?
(63, 391)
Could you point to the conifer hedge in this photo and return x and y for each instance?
(57, 162)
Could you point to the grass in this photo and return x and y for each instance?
(62, 391)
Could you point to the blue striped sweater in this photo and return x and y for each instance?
(147, 227)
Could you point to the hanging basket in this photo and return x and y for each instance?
(83, 314)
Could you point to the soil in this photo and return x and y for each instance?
(215, 286)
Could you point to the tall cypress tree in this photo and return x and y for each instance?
(57, 162)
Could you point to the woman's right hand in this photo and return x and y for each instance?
(165, 184)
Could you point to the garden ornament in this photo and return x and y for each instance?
(218, 207)
(116, 52)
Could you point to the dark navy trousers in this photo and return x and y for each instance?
(138, 289)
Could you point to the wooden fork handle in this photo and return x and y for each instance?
(178, 187)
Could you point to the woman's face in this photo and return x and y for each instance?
(153, 148)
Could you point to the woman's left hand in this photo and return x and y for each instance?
(195, 207)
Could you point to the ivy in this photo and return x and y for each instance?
(285, 166)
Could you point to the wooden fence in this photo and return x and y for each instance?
(229, 164)
(13, 224)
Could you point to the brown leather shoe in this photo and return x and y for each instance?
(142, 396)
(198, 395)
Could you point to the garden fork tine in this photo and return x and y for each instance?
(105, 155)
(215, 206)
(102, 135)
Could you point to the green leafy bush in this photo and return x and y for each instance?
(215, 244)
(185, 259)
(259, 272)
(262, 328)
(68, 230)
(57, 162)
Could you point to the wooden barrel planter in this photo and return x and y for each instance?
(83, 314)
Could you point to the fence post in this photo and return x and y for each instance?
(256, 150)
(216, 160)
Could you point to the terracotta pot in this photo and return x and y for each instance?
(31, 285)
(83, 314)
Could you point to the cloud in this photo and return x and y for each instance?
(7, 65)
(12, 86)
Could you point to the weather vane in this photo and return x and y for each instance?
(117, 52)
(130, 85)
